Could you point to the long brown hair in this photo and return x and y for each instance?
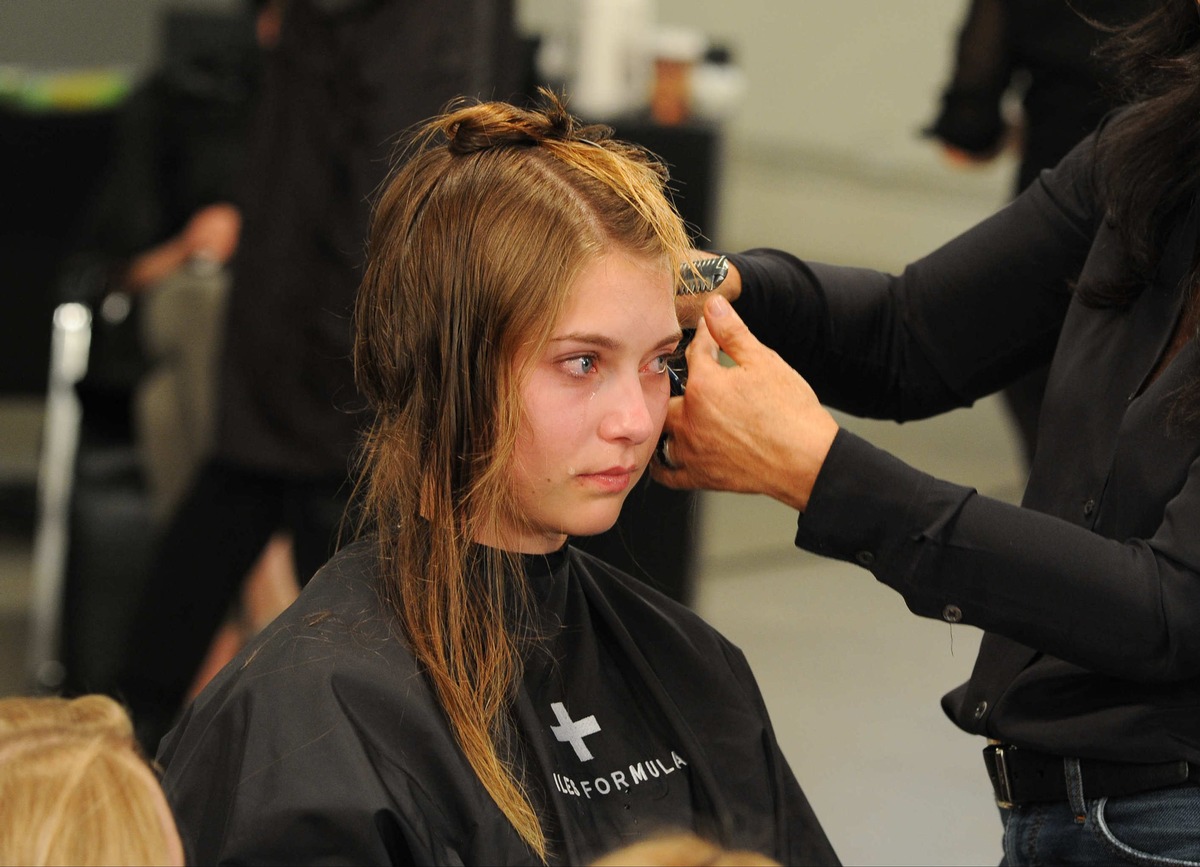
(475, 242)
(1148, 161)
(1149, 156)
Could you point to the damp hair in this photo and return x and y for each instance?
(75, 789)
(493, 212)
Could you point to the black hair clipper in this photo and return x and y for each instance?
(697, 277)
(703, 275)
(677, 371)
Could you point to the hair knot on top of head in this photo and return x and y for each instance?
(490, 125)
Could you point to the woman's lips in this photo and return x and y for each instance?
(612, 479)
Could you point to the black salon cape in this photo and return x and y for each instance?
(322, 742)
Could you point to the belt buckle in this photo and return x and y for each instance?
(1004, 798)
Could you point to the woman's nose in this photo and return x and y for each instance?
(629, 412)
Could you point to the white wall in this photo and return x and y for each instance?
(824, 156)
(854, 77)
(831, 73)
(64, 34)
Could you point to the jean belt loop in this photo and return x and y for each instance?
(1074, 778)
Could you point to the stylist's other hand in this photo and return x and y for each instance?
(754, 428)
(213, 232)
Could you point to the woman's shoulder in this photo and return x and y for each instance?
(327, 715)
(649, 616)
(335, 656)
(339, 619)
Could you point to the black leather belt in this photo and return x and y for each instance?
(1021, 776)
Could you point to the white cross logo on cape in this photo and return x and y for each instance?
(574, 731)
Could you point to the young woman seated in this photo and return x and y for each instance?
(461, 686)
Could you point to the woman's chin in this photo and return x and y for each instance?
(592, 525)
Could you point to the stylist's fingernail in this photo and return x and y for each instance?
(718, 306)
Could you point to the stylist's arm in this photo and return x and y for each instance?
(756, 427)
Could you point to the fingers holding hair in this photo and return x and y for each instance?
(755, 427)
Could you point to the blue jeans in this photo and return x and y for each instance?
(1161, 827)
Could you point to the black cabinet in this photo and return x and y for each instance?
(51, 163)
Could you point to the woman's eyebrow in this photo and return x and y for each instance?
(605, 341)
(602, 340)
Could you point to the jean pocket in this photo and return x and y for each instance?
(1154, 828)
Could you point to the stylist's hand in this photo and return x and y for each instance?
(754, 428)
(213, 232)
(210, 234)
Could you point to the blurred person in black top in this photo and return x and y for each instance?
(343, 79)
(1088, 676)
(1043, 52)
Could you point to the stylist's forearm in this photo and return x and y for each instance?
(790, 475)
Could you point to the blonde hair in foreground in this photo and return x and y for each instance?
(475, 243)
(75, 790)
(682, 849)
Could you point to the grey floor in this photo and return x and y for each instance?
(852, 679)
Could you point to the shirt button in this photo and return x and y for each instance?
(952, 614)
(864, 558)
(1089, 507)
(980, 710)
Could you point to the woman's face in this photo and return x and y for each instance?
(594, 402)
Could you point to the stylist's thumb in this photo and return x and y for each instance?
(728, 330)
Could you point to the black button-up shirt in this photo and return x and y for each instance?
(1089, 592)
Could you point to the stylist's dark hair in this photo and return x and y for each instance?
(1148, 156)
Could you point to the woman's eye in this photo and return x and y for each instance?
(580, 366)
(660, 364)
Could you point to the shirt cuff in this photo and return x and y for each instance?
(870, 508)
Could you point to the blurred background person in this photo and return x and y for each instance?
(76, 790)
(1026, 76)
(165, 222)
(343, 79)
(154, 247)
